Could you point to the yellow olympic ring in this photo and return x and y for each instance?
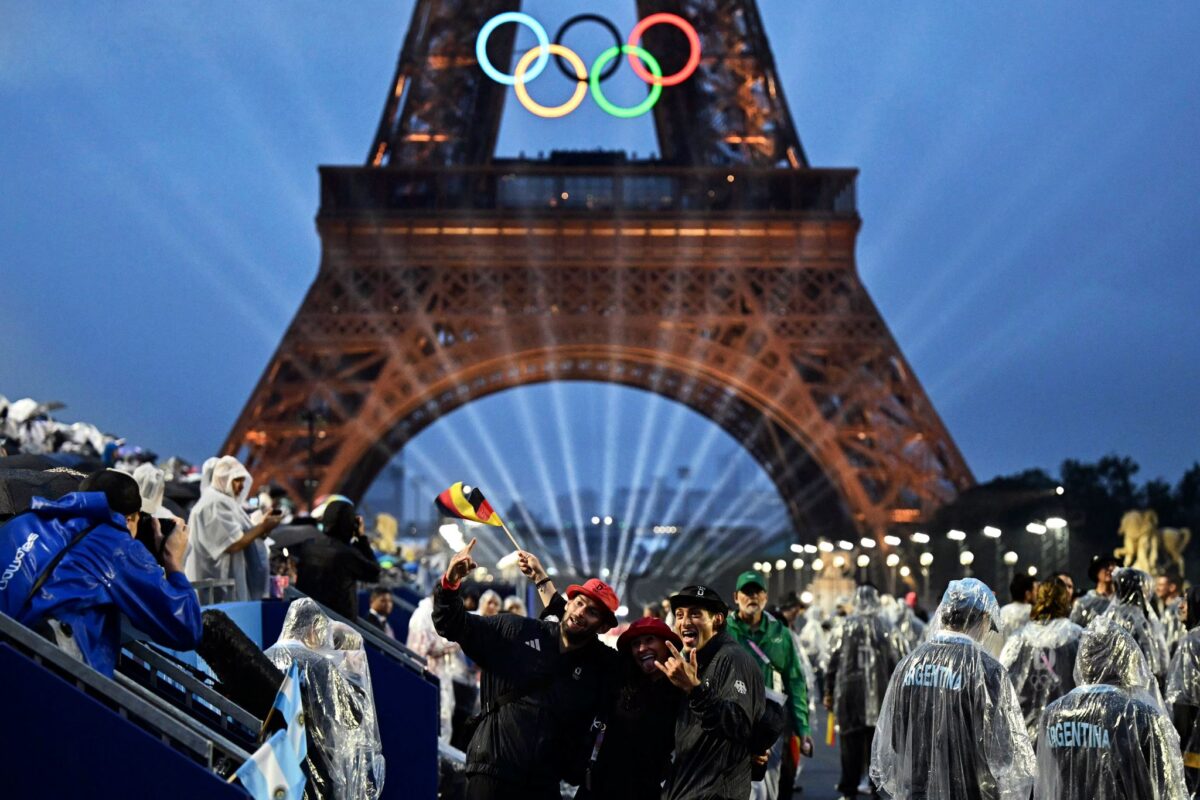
(556, 111)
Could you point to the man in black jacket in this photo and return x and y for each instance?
(541, 686)
(725, 697)
(332, 564)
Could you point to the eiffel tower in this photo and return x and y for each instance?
(721, 275)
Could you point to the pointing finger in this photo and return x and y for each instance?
(671, 647)
(471, 544)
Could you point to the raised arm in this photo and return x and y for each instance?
(164, 607)
(477, 635)
(532, 568)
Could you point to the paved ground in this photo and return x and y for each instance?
(820, 773)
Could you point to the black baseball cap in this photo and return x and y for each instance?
(698, 595)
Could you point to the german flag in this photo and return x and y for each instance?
(466, 502)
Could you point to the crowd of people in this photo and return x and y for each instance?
(1058, 694)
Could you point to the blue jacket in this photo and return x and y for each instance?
(108, 573)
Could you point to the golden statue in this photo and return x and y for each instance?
(1145, 544)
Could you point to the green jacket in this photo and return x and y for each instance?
(773, 638)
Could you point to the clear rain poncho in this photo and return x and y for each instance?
(217, 521)
(1131, 607)
(345, 761)
(861, 659)
(906, 629)
(1040, 659)
(443, 658)
(1183, 695)
(1109, 739)
(951, 727)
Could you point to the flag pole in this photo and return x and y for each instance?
(511, 538)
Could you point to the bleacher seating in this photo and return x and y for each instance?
(161, 728)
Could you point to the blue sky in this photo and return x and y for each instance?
(1030, 192)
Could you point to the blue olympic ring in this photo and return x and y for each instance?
(521, 19)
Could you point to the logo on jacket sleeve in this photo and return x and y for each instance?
(740, 686)
(15, 566)
(535, 644)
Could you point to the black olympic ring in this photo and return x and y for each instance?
(608, 71)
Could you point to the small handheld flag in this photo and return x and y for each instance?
(274, 772)
(467, 502)
(830, 729)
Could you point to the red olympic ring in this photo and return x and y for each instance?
(635, 39)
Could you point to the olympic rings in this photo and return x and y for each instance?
(495, 22)
(533, 62)
(640, 108)
(580, 88)
(639, 30)
(599, 20)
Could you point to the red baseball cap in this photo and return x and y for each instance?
(599, 591)
(648, 626)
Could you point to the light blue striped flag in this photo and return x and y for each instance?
(291, 707)
(273, 772)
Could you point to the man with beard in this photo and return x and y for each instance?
(724, 690)
(770, 643)
(541, 686)
(630, 756)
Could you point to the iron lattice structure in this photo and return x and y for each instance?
(721, 275)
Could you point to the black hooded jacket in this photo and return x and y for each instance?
(330, 569)
(544, 736)
(712, 759)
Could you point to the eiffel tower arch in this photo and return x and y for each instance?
(721, 275)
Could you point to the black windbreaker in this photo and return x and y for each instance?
(640, 734)
(330, 569)
(545, 736)
(711, 759)
(1101, 743)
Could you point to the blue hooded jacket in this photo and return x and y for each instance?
(108, 573)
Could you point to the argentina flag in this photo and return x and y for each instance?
(273, 772)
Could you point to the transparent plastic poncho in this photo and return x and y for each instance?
(1040, 659)
(1183, 695)
(861, 658)
(1110, 738)
(443, 658)
(1131, 608)
(951, 727)
(345, 761)
(906, 629)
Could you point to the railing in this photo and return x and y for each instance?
(183, 734)
(542, 189)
